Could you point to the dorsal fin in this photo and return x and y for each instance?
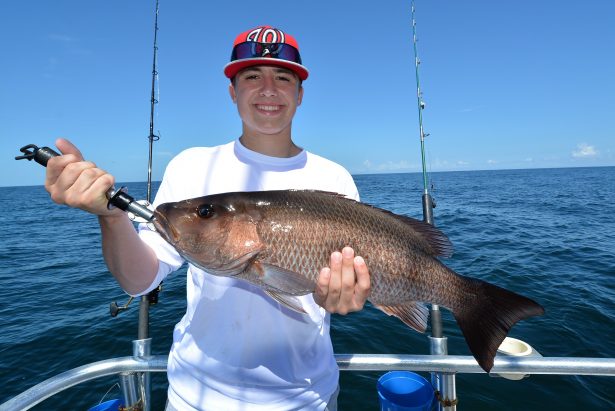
(439, 244)
(434, 243)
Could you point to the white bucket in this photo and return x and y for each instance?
(516, 348)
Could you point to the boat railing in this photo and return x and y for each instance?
(347, 362)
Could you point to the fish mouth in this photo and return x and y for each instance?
(165, 229)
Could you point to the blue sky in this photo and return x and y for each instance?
(519, 84)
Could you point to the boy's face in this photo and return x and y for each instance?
(267, 98)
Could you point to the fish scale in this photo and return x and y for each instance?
(303, 249)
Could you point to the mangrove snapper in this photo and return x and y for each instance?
(280, 240)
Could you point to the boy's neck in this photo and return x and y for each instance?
(271, 145)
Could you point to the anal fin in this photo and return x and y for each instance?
(413, 313)
(288, 301)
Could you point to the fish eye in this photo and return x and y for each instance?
(205, 210)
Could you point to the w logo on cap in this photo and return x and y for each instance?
(265, 45)
(266, 34)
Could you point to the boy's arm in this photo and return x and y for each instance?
(80, 184)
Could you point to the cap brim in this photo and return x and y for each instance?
(232, 68)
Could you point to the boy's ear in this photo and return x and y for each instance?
(231, 90)
(300, 96)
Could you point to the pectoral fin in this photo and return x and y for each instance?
(413, 313)
(285, 281)
(288, 301)
(280, 284)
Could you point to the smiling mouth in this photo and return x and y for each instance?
(270, 108)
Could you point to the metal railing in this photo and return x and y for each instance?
(346, 362)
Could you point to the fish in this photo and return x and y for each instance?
(280, 240)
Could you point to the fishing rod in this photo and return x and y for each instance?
(153, 101)
(119, 198)
(139, 212)
(443, 383)
(152, 297)
(428, 203)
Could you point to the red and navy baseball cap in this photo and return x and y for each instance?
(265, 45)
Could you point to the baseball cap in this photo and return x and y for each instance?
(265, 45)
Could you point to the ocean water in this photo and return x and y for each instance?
(548, 234)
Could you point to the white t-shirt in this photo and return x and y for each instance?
(236, 348)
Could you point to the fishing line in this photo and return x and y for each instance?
(157, 90)
(108, 391)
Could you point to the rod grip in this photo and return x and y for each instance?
(39, 154)
(43, 155)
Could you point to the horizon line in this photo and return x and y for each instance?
(376, 173)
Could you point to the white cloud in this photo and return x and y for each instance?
(440, 163)
(402, 165)
(492, 162)
(462, 163)
(584, 151)
(391, 166)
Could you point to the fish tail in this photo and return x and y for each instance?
(487, 315)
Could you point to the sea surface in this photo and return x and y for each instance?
(548, 234)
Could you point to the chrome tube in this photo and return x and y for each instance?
(128, 384)
(443, 383)
(142, 351)
(468, 365)
(346, 362)
(61, 382)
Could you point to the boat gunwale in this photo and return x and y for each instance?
(455, 364)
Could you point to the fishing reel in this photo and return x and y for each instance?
(152, 298)
(114, 309)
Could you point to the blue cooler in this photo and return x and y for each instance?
(404, 391)
(111, 405)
